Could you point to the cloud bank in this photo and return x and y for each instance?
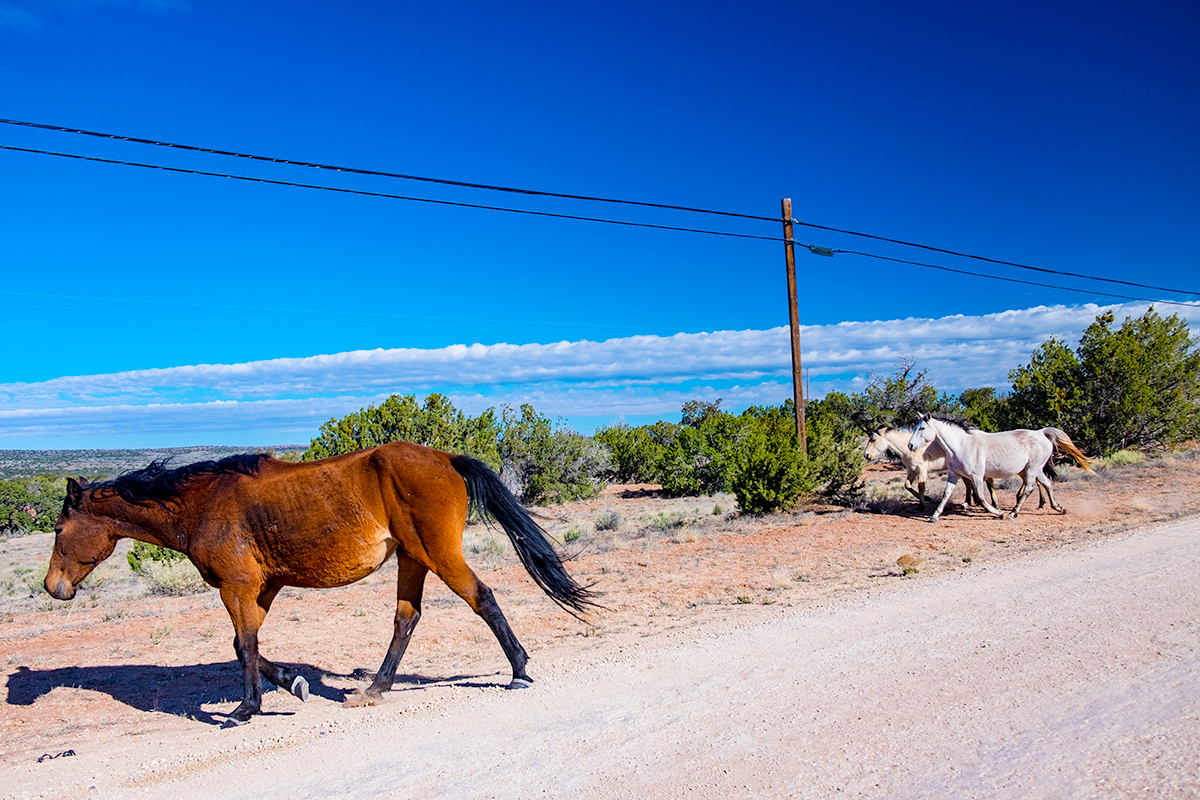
(587, 383)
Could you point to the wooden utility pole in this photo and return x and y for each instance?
(794, 314)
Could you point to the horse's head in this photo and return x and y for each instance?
(81, 541)
(877, 444)
(923, 434)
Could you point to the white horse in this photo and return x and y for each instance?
(918, 464)
(977, 456)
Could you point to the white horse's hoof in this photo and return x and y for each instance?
(934, 518)
(299, 688)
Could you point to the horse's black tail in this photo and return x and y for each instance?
(491, 500)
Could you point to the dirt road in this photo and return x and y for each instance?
(1067, 675)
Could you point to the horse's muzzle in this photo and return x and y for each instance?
(61, 590)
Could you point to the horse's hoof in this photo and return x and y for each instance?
(934, 518)
(1009, 515)
(299, 688)
(521, 683)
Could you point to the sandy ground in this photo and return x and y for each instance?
(1049, 656)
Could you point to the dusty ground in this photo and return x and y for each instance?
(129, 680)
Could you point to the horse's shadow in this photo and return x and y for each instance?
(183, 690)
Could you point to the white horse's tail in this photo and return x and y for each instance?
(1060, 440)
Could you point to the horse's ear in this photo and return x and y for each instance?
(74, 493)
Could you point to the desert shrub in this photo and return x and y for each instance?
(834, 451)
(548, 463)
(435, 423)
(769, 472)
(634, 453)
(144, 553)
(165, 571)
(23, 581)
(667, 520)
(698, 461)
(30, 505)
(1135, 386)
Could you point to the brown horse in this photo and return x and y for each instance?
(252, 525)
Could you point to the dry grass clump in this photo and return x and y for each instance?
(1123, 458)
(909, 564)
(889, 498)
(664, 521)
(609, 520)
(172, 578)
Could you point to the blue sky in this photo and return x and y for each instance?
(1052, 134)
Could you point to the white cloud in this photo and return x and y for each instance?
(287, 399)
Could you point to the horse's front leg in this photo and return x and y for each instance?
(914, 482)
(247, 616)
(410, 585)
(951, 482)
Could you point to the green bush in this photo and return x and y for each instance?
(436, 423)
(1134, 387)
(142, 554)
(835, 456)
(30, 505)
(634, 453)
(768, 471)
(548, 463)
(698, 459)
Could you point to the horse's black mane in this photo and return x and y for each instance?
(158, 484)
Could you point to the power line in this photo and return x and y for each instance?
(539, 193)
(385, 194)
(994, 260)
(813, 248)
(1012, 280)
(382, 174)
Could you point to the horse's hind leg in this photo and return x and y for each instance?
(464, 583)
(285, 678)
(1024, 492)
(1044, 481)
(410, 585)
